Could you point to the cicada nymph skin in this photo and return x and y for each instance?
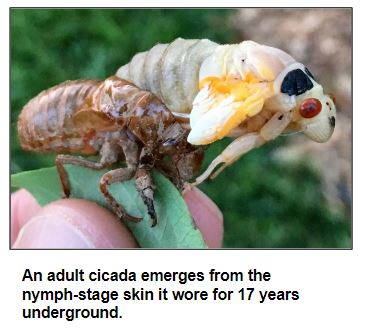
(248, 91)
(120, 122)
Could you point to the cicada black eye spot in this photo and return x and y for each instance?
(296, 82)
(309, 108)
(309, 73)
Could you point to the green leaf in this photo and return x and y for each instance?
(175, 228)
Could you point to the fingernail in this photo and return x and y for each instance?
(74, 224)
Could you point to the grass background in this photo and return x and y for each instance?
(266, 202)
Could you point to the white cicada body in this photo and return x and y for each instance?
(170, 71)
(249, 91)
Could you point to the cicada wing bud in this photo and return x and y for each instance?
(214, 115)
(267, 62)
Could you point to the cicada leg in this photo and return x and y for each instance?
(131, 152)
(117, 175)
(62, 160)
(113, 176)
(144, 183)
(243, 144)
(109, 155)
(233, 151)
(145, 187)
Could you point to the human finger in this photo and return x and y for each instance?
(23, 207)
(74, 223)
(206, 215)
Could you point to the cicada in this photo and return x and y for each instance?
(247, 91)
(118, 121)
(162, 108)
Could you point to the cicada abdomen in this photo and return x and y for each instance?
(46, 122)
(170, 71)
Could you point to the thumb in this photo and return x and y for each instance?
(74, 223)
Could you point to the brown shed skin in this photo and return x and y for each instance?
(115, 119)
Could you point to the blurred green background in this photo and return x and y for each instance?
(267, 202)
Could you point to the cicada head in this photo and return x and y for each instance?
(237, 81)
(314, 112)
(317, 117)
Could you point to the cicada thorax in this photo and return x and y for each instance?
(170, 71)
(127, 107)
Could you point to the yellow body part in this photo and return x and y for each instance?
(228, 103)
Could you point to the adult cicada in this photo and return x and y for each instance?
(248, 91)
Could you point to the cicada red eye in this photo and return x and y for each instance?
(309, 108)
